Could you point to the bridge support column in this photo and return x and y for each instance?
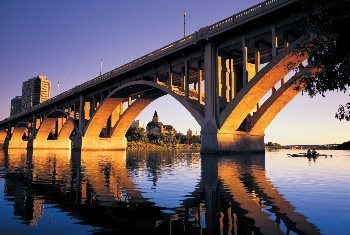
(16, 141)
(85, 143)
(49, 144)
(81, 114)
(3, 135)
(214, 141)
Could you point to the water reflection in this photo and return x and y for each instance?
(187, 194)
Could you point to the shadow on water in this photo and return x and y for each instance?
(100, 189)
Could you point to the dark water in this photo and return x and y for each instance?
(173, 193)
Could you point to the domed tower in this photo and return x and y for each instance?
(155, 117)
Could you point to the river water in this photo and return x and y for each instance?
(169, 192)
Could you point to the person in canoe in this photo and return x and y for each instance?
(314, 153)
(308, 153)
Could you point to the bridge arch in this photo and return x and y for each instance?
(124, 122)
(144, 92)
(16, 141)
(239, 108)
(223, 133)
(277, 102)
(63, 129)
(67, 129)
(49, 123)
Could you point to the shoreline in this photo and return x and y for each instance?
(150, 146)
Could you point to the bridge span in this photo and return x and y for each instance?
(221, 74)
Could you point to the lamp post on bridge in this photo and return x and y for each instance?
(101, 67)
(185, 24)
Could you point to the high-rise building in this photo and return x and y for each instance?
(35, 91)
(137, 123)
(16, 105)
(191, 133)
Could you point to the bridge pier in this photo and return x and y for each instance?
(53, 133)
(16, 144)
(50, 144)
(3, 135)
(97, 144)
(237, 142)
(215, 141)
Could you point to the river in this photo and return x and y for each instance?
(171, 192)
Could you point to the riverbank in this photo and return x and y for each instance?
(150, 146)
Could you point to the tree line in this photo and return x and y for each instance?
(139, 134)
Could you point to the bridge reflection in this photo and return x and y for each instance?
(233, 194)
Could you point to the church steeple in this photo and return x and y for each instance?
(155, 117)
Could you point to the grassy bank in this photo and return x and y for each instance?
(150, 146)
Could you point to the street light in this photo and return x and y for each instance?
(185, 24)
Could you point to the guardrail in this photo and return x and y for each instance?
(168, 49)
(246, 14)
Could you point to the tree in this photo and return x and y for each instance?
(328, 44)
(155, 139)
(195, 139)
(182, 139)
(344, 146)
(136, 134)
(163, 139)
(169, 139)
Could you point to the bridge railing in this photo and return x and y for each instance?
(246, 14)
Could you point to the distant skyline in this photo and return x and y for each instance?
(65, 41)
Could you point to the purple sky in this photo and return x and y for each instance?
(65, 40)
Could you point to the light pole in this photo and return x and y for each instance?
(185, 24)
(101, 67)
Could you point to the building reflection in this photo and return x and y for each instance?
(233, 195)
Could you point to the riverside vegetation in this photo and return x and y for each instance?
(138, 138)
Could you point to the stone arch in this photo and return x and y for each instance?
(152, 91)
(274, 104)
(238, 109)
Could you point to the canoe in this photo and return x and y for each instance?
(306, 155)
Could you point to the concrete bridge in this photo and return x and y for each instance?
(233, 77)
